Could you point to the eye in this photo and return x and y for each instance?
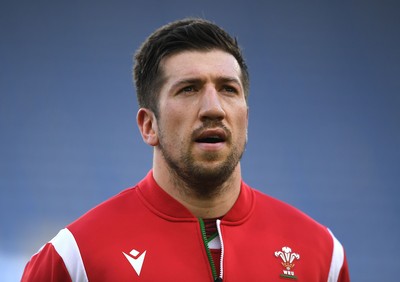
(188, 89)
(229, 89)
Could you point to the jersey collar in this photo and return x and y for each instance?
(161, 203)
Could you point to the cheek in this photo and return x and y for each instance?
(175, 112)
(242, 124)
(175, 128)
(243, 118)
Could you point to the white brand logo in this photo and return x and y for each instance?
(135, 260)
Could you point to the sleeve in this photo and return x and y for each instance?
(339, 270)
(46, 265)
(344, 275)
(58, 260)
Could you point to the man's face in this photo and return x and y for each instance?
(203, 116)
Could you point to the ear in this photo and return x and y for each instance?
(147, 124)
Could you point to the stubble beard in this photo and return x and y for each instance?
(195, 178)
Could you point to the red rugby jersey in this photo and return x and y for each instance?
(143, 234)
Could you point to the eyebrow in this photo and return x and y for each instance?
(186, 81)
(228, 79)
(219, 79)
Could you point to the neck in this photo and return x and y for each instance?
(212, 206)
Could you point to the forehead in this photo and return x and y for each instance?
(193, 64)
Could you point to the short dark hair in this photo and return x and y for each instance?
(182, 35)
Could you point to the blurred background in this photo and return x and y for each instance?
(324, 114)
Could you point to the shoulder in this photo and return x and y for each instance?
(279, 211)
(68, 256)
(58, 260)
(294, 228)
(125, 202)
(289, 222)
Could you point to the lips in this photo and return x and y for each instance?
(211, 136)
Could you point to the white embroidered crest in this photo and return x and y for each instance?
(288, 258)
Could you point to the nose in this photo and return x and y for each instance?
(210, 105)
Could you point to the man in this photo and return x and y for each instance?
(192, 218)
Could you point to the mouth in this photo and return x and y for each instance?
(210, 140)
(211, 136)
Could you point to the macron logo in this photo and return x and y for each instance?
(135, 260)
